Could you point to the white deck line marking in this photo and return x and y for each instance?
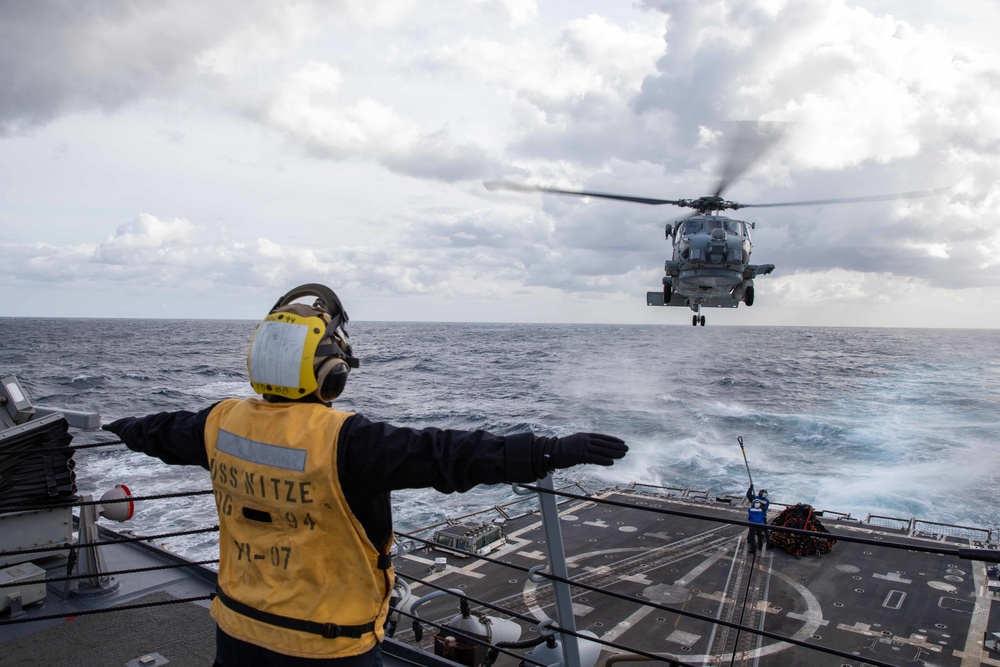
(973, 653)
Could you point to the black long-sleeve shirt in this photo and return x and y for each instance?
(373, 459)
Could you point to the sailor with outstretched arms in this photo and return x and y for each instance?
(303, 490)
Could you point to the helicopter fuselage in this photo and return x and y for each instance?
(710, 264)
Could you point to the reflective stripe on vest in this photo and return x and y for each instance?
(289, 546)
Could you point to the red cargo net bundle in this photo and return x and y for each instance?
(802, 517)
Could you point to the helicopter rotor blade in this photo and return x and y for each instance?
(751, 141)
(852, 200)
(507, 185)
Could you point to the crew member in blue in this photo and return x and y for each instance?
(758, 535)
(765, 505)
(292, 475)
(762, 497)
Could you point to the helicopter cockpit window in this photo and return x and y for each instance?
(693, 227)
(734, 227)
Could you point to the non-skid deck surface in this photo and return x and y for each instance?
(182, 633)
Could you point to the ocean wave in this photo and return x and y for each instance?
(85, 381)
(168, 392)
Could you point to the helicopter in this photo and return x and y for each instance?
(710, 266)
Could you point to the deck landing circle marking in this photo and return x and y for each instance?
(814, 610)
(847, 569)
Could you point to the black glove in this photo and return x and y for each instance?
(117, 427)
(581, 448)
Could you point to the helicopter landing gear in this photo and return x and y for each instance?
(668, 289)
(748, 295)
(698, 318)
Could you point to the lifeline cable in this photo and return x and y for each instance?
(135, 570)
(57, 450)
(975, 554)
(655, 605)
(124, 540)
(83, 503)
(459, 632)
(713, 620)
(746, 596)
(530, 619)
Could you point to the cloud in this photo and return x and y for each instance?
(478, 256)
(423, 102)
(152, 252)
(570, 97)
(836, 285)
(862, 87)
(58, 57)
(306, 106)
(518, 12)
(308, 110)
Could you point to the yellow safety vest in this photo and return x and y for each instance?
(297, 573)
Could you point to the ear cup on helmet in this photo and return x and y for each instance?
(331, 375)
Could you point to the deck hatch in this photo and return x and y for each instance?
(894, 600)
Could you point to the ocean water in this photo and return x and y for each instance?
(894, 422)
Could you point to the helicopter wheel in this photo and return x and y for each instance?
(666, 294)
(702, 320)
(748, 296)
(694, 320)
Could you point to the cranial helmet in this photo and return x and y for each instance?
(757, 504)
(300, 350)
(763, 493)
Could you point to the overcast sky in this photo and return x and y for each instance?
(197, 159)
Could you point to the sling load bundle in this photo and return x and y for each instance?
(802, 517)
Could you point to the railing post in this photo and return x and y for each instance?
(91, 562)
(557, 565)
